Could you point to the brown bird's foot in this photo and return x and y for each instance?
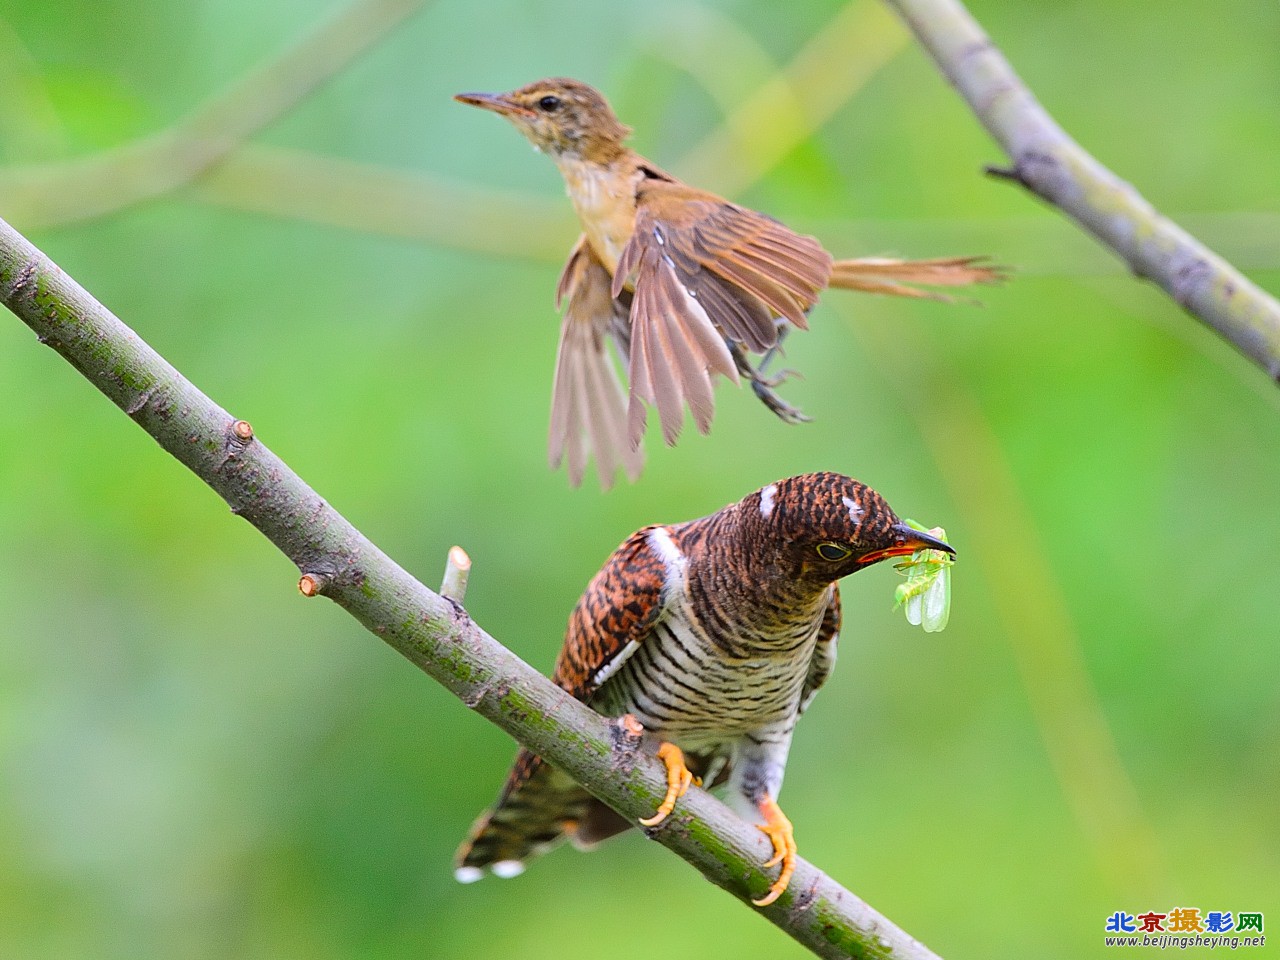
(772, 354)
(678, 779)
(781, 409)
(762, 386)
(766, 361)
(778, 829)
(779, 378)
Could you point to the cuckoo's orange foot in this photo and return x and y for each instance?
(778, 829)
(678, 779)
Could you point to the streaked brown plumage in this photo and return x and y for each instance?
(714, 634)
(685, 282)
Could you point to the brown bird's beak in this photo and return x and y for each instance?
(907, 540)
(497, 102)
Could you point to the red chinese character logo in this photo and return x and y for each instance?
(1151, 922)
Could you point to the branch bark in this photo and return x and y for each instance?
(435, 633)
(1054, 167)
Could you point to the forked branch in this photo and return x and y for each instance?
(1054, 167)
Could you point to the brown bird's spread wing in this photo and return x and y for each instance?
(824, 653)
(588, 402)
(614, 616)
(706, 269)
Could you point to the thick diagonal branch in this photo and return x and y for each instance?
(1053, 166)
(434, 633)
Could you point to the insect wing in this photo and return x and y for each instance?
(936, 601)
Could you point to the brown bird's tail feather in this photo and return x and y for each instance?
(898, 277)
(535, 810)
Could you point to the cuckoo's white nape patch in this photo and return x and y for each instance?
(767, 496)
(672, 559)
(855, 511)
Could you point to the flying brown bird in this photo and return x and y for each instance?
(715, 635)
(684, 282)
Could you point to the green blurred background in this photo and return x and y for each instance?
(197, 763)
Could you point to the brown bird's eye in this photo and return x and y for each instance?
(549, 104)
(832, 551)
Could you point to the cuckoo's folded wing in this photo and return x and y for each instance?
(615, 615)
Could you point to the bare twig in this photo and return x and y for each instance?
(456, 571)
(339, 562)
(1056, 168)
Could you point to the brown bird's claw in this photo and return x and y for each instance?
(781, 409)
(778, 829)
(772, 354)
(678, 779)
(779, 378)
(762, 386)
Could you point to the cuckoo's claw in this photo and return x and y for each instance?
(778, 829)
(678, 779)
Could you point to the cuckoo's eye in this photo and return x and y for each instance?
(549, 104)
(833, 552)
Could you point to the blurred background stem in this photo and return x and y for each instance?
(51, 195)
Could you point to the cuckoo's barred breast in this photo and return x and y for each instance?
(712, 668)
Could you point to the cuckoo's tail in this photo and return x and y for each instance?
(538, 807)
